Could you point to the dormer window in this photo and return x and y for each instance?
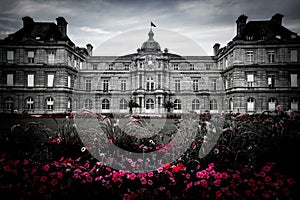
(249, 37)
(293, 36)
(37, 37)
(175, 66)
(278, 37)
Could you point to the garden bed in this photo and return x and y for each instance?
(254, 157)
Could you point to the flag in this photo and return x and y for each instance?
(152, 24)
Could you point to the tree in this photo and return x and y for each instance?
(168, 105)
(132, 104)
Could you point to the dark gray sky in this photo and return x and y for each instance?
(187, 27)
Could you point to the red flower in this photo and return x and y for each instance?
(44, 178)
(204, 183)
(54, 182)
(268, 179)
(176, 169)
(265, 195)
(266, 168)
(291, 181)
(217, 182)
(218, 194)
(46, 167)
(132, 195)
(60, 175)
(167, 166)
(126, 197)
(251, 183)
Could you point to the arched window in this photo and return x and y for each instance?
(69, 104)
(230, 104)
(29, 103)
(88, 104)
(123, 104)
(177, 104)
(50, 103)
(149, 84)
(272, 104)
(149, 104)
(294, 104)
(195, 104)
(213, 105)
(105, 104)
(9, 103)
(250, 104)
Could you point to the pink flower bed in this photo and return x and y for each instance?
(90, 179)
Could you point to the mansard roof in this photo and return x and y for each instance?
(39, 31)
(265, 30)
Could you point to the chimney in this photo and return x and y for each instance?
(216, 48)
(62, 25)
(241, 23)
(89, 48)
(277, 19)
(27, 21)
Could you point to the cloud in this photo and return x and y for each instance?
(95, 21)
(93, 30)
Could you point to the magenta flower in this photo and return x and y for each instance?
(150, 182)
(46, 167)
(44, 178)
(126, 197)
(54, 182)
(143, 181)
(132, 176)
(150, 174)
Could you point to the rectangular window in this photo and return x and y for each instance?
(140, 81)
(50, 80)
(123, 85)
(88, 85)
(30, 80)
(126, 67)
(294, 80)
(105, 85)
(271, 81)
(250, 80)
(195, 85)
(69, 82)
(271, 56)
(51, 58)
(110, 67)
(94, 66)
(10, 56)
(192, 67)
(159, 81)
(226, 84)
(10, 80)
(177, 85)
(249, 57)
(30, 55)
(214, 84)
(175, 66)
(80, 65)
(294, 57)
(208, 66)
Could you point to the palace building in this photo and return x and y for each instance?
(42, 71)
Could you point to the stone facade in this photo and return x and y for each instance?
(42, 71)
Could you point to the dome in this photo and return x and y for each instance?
(150, 45)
